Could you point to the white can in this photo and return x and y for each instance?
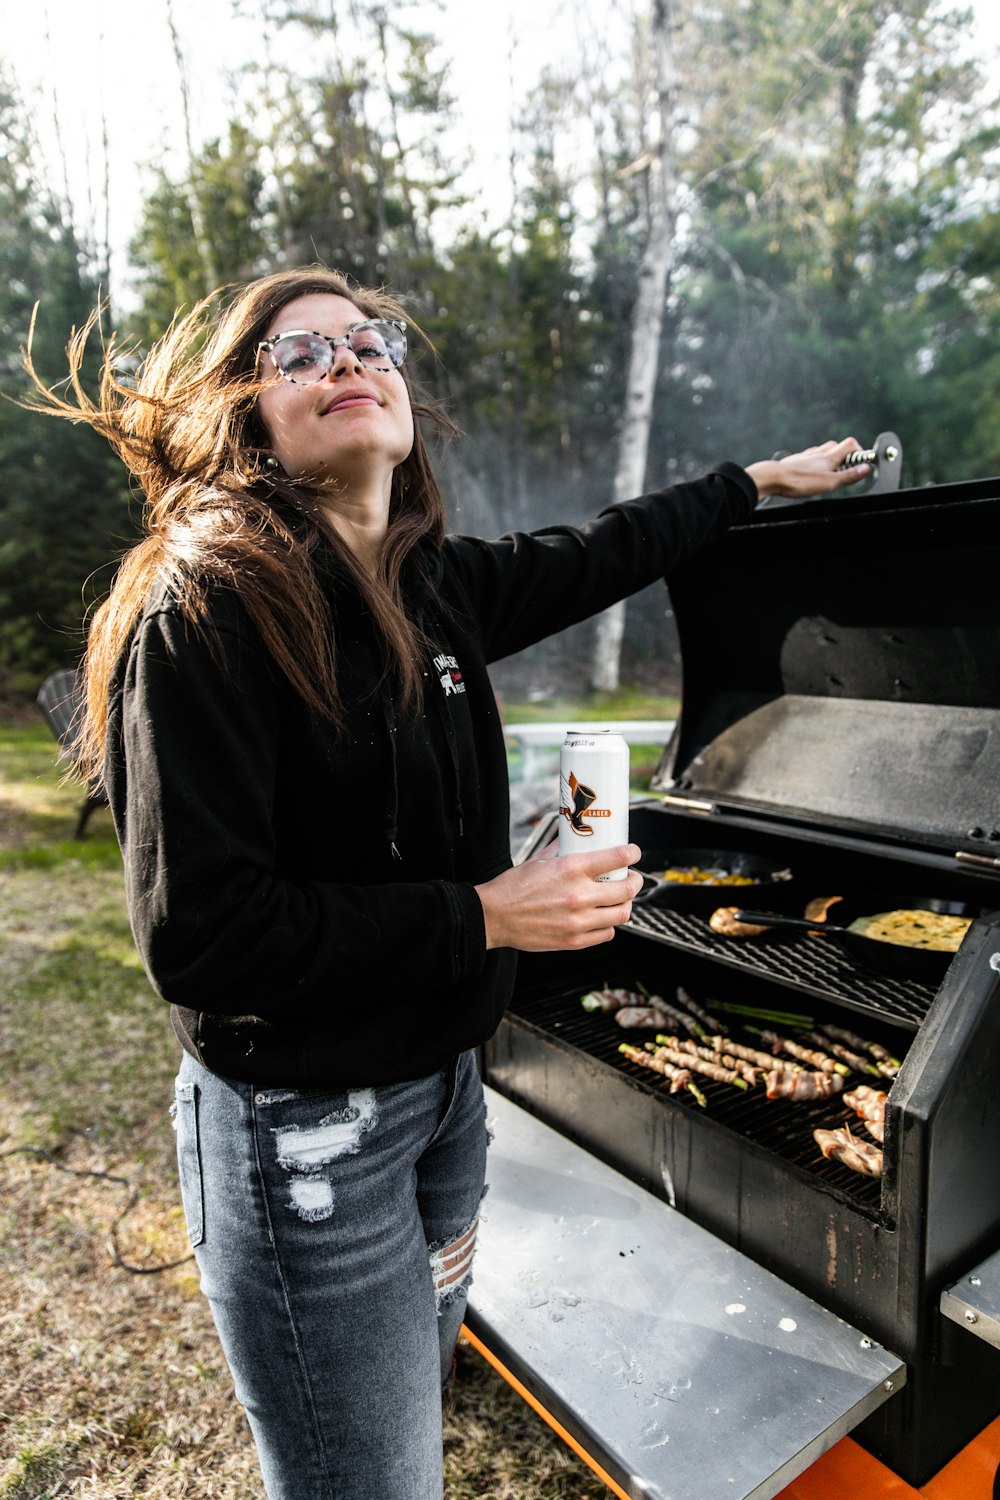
(593, 793)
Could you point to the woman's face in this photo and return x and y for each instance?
(352, 427)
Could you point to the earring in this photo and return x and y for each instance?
(271, 463)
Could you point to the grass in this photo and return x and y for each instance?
(113, 1382)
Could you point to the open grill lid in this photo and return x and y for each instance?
(841, 664)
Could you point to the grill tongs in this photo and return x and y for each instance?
(895, 959)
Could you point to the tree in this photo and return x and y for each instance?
(842, 155)
(647, 317)
(64, 510)
(226, 184)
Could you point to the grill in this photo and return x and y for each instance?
(841, 714)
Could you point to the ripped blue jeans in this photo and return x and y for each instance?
(334, 1234)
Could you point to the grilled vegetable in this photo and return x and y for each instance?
(843, 1147)
(787, 1018)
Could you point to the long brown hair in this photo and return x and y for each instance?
(187, 427)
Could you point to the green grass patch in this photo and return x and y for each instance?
(626, 703)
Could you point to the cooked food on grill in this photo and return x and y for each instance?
(609, 1000)
(700, 1015)
(695, 875)
(680, 1077)
(784, 1084)
(765, 1060)
(809, 1055)
(852, 1059)
(876, 1128)
(699, 1065)
(817, 908)
(612, 1000)
(885, 1063)
(723, 919)
(937, 930)
(867, 1102)
(634, 1016)
(674, 1017)
(843, 1147)
(734, 1065)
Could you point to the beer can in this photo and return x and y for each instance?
(593, 793)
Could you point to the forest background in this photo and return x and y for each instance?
(817, 177)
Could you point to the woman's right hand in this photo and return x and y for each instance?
(551, 904)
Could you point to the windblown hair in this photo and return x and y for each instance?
(189, 430)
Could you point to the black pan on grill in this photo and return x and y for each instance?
(895, 959)
(768, 880)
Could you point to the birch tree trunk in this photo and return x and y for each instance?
(647, 322)
(202, 238)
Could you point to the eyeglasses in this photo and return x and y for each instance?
(304, 357)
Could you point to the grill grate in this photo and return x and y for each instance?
(780, 1126)
(813, 965)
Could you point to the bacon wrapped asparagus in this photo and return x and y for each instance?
(697, 1064)
(867, 1102)
(819, 1060)
(750, 1071)
(615, 1000)
(888, 1065)
(609, 999)
(712, 1023)
(843, 1147)
(765, 1060)
(783, 1084)
(852, 1059)
(680, 1077)
(632, 1017)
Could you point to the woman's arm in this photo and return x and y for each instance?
(527, 586)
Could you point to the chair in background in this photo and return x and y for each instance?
(60, 699)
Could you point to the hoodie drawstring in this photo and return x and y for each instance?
(449, 734)
(392, 807)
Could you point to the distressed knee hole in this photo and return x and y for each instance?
(451, 1265)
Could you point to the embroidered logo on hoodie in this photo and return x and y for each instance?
(449, 674)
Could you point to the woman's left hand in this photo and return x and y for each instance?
(814, 471)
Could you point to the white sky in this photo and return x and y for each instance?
(71, 57)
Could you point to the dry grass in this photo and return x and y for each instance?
(113, 1384)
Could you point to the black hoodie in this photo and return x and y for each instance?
(305, 900)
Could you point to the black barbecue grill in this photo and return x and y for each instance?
(841, 715)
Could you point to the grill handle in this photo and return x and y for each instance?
(886, 457)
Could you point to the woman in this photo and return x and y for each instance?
(289, 704)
